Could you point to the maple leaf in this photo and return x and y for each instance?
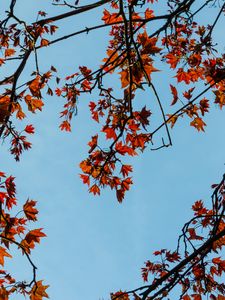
(33, 103)
(10, 186)
(120, 195)
(85, 179)
(110, 18)
(193, 235)
(125, 169)
(198, 123)
(142, 116)
(35, 86)
(65, 125)
(38, 291)
(86, 166)
(123, 149)
(58, 92)
(30, 210)
(183, 76)
(10, 202)
(149, 13)
(9, 52)
(172, 257)
(204, 106)
(29, 129)
(44, 43)
(220, 98)
(2, 254)
(172, 59)
(125, 184)
(188, 94)
(34, 236)
(94, 189)
(110, 133)
(31, 238)
(198, 208)
(148, 44)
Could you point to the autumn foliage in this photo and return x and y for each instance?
(15, 231)
(137, 46)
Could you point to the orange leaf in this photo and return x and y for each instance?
(125, 169)
(110, 133)
(33, 104)
(65, 125)
(38, 291)
(125, 184)
(35, 86)
(2, 254)
(30, 210)
(172, 60)
(123, 149)
(172, 120)
(174, 92)
(44, 42)
(124, 78)
(109, 18)
(149, 13)
(85, 179)
(9, 52)
(58, 92)
(198, 123)
(29, 129)
(94, 189)
(31, 238)
(85, 166)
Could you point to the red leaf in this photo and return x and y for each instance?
(30, 210)
(65, 125)
(94, 189)
(29, 129)
(110, 133)
(175, 95)
(125, 169)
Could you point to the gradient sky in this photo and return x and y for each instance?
(94, 245)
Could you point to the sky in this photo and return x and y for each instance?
(95, 245)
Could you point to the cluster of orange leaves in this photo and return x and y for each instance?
(205, 272)
(15, 231)
(187, 50)
(104, 165)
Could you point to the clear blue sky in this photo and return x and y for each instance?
(95, 245)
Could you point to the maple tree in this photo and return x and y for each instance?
(141, 34)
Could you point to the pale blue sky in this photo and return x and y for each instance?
(95, 245)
